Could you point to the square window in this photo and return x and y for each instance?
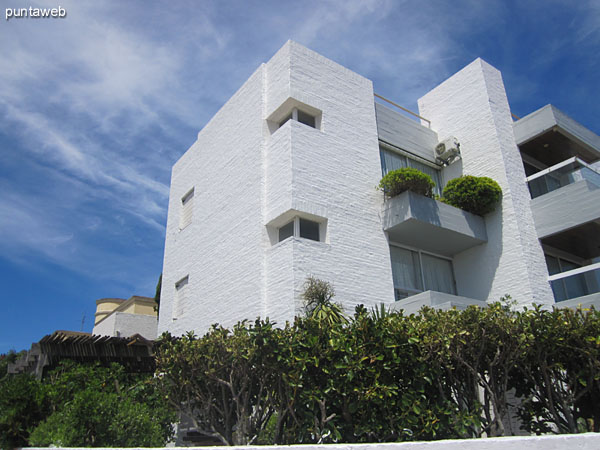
(286, 231)
(309, 229)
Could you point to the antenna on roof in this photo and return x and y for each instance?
(82, 321)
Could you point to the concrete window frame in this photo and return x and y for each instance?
(297, 111)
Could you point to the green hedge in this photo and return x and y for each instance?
(397, 181)
(83, 405)
(478, 195)
(387, 377)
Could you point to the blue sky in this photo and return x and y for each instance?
(96, 107)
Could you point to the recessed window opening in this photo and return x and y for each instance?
(181, 294)
(415, 271)
(300, 227)
(187, 209)
(300, 116)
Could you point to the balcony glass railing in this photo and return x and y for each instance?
(561, 174)
(576, 282)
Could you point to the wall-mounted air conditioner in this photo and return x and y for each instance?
(447, 151)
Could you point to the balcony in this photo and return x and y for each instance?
(564, 196)
(417, 221)
(577, 286)
(562, 174)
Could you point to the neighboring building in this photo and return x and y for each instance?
(281, 184)
(123, 318)
(124, 331)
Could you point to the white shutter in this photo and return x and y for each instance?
(180, 298)
(187, 209)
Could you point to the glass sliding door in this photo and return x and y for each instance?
(415, 271)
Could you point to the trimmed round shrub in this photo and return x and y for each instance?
(407, 179)
(477, 195)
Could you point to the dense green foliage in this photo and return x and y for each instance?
(387, 377)
(375, 377)
(477, 195)
(22, 407)
(83, 405)
(397, 181)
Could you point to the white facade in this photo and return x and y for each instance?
(260, 202)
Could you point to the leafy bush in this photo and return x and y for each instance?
(407, 179)
(83, 405)
(384, 377)
(477, 195)
(21, 409)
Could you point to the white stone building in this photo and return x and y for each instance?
(281, 184)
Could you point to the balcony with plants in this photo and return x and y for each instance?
(446, 225)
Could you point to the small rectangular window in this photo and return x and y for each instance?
(286, 231)
(187, 209)
(309, 229)
(180, 297)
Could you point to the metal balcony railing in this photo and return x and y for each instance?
(576, 283)
(562, 174)
(402, 108)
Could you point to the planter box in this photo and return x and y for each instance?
(417, 221)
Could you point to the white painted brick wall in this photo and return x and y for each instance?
(221, 250)
(472, 106)
(244, 176)
(126, 324)
(335, 171)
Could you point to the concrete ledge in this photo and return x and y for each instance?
(565, 208)
(585, 302)
(587, 441)
(549, 118)
(424, 223)
(439, 300)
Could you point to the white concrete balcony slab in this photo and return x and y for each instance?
(565, 208)
(417, 221)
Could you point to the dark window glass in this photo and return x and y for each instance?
(306, 119)
(309, 229)
(286, 231)
(285, 120)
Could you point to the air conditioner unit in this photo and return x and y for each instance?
(447, 151)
